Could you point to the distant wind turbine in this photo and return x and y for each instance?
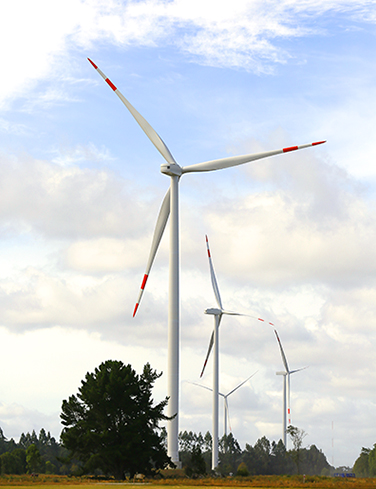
(226, 410)
(286, 380)
(171, 204)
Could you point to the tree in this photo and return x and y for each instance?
(262, 454)
(112, 424)
(33, 458)
(361, 466)
(280, 462)
(229, 454)
(315, 462)
(296, 435)
(242, 470)
(372, 461)
(195, 466)
(13, 462)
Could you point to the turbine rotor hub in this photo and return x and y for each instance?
(171, 169)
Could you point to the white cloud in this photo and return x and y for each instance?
(90, 154)
(66, 201)
(50, 366)
(243, 34)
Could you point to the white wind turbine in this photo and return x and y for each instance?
(171, 204)
(286, 380)
(214, 341)
(226, 410)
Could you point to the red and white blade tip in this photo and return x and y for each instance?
(95, 66)
(263, 320)
(107, 80)
(207, 246)
(144, 280)
(294, 148)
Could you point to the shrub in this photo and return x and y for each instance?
(242, 470)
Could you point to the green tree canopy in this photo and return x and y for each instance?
(361, 466)
(33, 458)
(112, 424)
(372, 461)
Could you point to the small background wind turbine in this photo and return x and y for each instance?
(286, 392)
(171, 204)
(226, 409)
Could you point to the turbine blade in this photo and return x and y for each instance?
(298, 370)
(205, 387)
(240, 160)
(213, 278)
(158, 233)
(282, 353)
(242, 383)
(262, 320)
(211, 343)
(143, 123)
(228, 413)
(231, 313)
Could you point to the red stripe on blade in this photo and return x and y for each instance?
(291, 148)
(144, 281)
(111, 84)
(319, 142)
(207, 246)
(95, 66)
(135, 309)
(203, 368)
(261, 319)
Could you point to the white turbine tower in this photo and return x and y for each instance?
(286, 380)
(214, 341)
(171, 204)
(226, 410)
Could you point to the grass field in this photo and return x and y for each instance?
(264, 482)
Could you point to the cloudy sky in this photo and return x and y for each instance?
(292, 237)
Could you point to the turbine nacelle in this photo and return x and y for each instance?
(171, 169)
(282, 373)
(214, 311)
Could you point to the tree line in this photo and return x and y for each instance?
(33, 454)
(365, 464)
(43, 454)
(264, 458)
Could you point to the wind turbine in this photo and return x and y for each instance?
(170, 204)
(226, 411)
(286, 380)
(214, 341)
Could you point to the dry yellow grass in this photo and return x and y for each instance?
(262, 482)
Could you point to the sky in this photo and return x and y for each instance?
(292, 237)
